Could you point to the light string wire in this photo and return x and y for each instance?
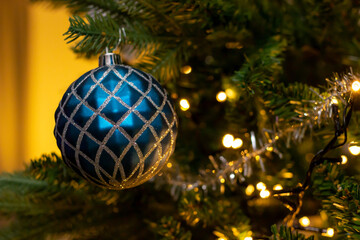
(318, 159)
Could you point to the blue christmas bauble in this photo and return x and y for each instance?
(115, 125)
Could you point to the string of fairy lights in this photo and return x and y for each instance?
(225, 170)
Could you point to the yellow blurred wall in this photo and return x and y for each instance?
(13, 58)
(50, 68)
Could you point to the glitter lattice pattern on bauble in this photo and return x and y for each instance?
(115, 126)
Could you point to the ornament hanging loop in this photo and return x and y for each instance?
(122, 35)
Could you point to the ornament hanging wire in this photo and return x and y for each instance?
(122, 34)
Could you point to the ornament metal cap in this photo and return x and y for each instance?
(108, 59)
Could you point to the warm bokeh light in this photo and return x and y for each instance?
(186, 69)
(260, 186)
(249, 189)
(354, 148)
(344, 159)
(270, 149)
(304, 221)
(264, 193)
(248, 238)
(232, 176)
(355, 86)
(278, 187)
(230, 93)
(334, 101)
(288, 175)
(228, 140)
(222, 180)
(169, 165)
(329, 232)
(184, 104)
(221, 96)
(237, 143)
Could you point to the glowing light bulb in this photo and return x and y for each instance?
(304, 221)
(260, 186)
(248, 238)
(354, 148)
(222, 180)
(334, 101)
(278, 187)
(186, 69)
(344, 159)
(249, 189)
(287, 175)
(355, 86)
(232, 176)
(169, 165)
(329, 232)
(270, 149)
(221, 96)
(228, 140)
(264, 193)
(237, 143)
(184, 104)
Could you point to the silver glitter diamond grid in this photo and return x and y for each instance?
(138, 175)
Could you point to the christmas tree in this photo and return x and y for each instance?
(266, 102)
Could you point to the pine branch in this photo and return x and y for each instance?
(169, 229)
(162, 9)
(291, 100)
(340, 198)
(262, 68)
(285, 233)
(164, 63)
(48, 198)
(95, 34)
(218, 212)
